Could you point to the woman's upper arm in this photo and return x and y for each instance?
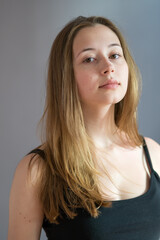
(25, 210)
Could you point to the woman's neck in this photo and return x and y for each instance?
(100, 125)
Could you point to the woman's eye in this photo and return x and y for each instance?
(115, 56)
(89, 60)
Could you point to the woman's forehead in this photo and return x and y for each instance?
(98, 34)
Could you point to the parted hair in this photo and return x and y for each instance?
(67, 174)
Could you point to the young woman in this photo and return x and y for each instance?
(93, 177)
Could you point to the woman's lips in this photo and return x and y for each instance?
(110, 84)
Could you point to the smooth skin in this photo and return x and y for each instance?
(25, 210)
(98, 58)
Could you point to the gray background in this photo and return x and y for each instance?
(27, 30)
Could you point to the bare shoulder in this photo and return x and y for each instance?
(154, 150)
(28, 170)
(153, 146)
(25, 209)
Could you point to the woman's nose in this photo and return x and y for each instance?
(108, 67)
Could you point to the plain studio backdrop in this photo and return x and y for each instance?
(27, 30)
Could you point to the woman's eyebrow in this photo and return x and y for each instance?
(114, 44)
(84, 50)
(91, 49)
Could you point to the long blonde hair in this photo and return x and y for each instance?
(68, 176)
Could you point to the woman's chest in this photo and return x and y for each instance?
(123, 174)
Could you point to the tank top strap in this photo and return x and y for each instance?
(147, 155)
(38, 151)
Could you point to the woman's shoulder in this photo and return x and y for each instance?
(154, 151)
(153, 145)
(29, 170)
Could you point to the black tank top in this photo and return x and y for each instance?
(131, 219)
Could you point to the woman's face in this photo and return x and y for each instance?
(100, 69)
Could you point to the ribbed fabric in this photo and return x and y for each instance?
(131, 219)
